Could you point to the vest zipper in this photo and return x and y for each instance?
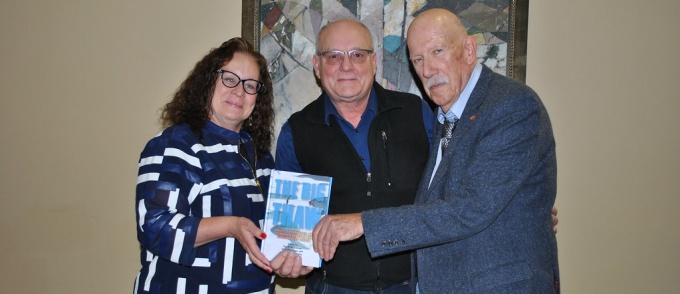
(368, 182)
(377, 281)
(387, 159)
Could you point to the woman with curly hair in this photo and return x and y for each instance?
(202, 180)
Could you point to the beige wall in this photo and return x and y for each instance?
(609, 75)
(81, 83)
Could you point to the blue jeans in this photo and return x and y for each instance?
(318, 286)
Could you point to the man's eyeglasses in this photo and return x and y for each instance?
(356, 56)
(231, 80)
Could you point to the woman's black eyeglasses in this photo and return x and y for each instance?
(231, 80)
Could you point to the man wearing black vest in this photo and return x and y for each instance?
(372, 141)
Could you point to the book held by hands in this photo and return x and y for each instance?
(295, 204)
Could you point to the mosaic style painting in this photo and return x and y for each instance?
(287, 30)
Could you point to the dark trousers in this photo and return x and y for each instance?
(316, 285)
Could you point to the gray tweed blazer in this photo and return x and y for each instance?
(483, 225)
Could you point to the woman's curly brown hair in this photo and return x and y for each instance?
(191, 103)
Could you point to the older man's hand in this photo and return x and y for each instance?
(333, 229)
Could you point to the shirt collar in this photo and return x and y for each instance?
(456, 111)
(330, 108)
(223, 132)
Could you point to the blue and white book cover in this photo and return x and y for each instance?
(295, 204)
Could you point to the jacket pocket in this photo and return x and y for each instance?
(501, 275)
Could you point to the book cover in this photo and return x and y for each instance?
(295, 204)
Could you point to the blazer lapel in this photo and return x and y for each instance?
(463, 127)
(431, 160)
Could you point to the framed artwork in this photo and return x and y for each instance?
(284, 31)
